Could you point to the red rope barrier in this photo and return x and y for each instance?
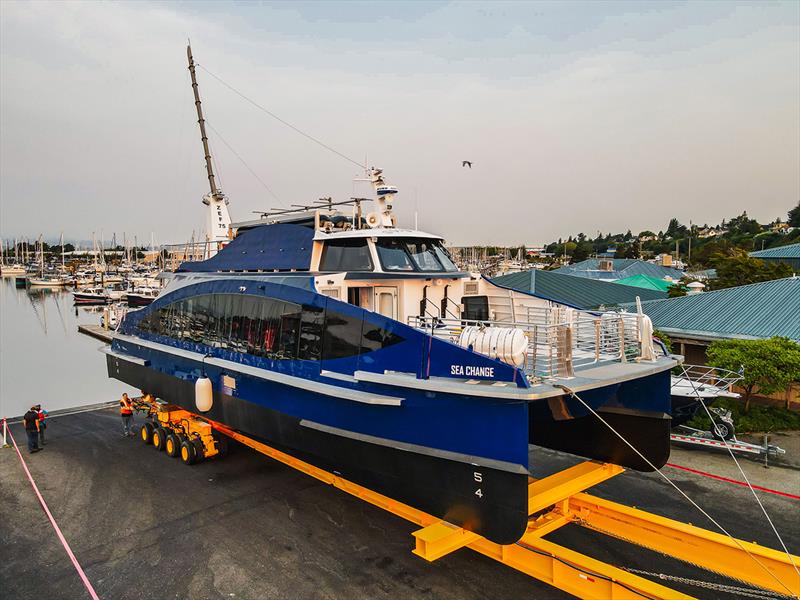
(61, 537)
(734, 481)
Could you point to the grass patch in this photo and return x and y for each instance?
(757, 419)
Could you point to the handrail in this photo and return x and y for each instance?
(560, 339)
(699, 375)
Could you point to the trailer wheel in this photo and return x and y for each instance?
(723, 430)
(146, 433)
(172, 445)
(187, 452)
(159, 437)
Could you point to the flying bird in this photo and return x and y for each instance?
(466, 163)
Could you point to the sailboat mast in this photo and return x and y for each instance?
(202, 122)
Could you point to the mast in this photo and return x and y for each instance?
(41, 257)
(218, 219)
(202, 122)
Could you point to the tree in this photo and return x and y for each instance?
(769, 366)
(676, 290)
(744, 225)
(741, 269)
(675, 229)
(794, 216)
(582, 251)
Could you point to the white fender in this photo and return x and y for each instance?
(203, 394)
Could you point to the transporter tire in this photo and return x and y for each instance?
(223, 446)
(172, 445)
(199, 450)
(159, 438)
(187, 452)
(146, 433)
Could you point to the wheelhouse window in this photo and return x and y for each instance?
(346, 255)
(409, 254)
(394, 255)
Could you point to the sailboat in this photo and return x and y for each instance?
(9, 269)
(50, 280)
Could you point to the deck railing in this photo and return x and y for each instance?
(560, 339)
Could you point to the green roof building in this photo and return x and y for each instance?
(578, 292)
(646, 282)
(755, 311)
(789, 254)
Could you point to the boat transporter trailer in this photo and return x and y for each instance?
(553, 502)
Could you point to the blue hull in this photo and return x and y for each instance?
(461, 457)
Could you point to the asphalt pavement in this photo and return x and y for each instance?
(143, 525)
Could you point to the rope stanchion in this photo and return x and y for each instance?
(5, 432)
(60, 535)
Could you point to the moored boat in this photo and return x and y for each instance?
(97, 295)
(141, 296)
(699, 383)
(13, 270)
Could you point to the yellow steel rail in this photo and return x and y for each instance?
(764, 567)
(559, 500)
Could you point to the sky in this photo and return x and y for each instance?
(595, 116)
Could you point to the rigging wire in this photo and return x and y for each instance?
(277, 118)
(674, 485)
(218, 171)
(237, 155)
(730, 451)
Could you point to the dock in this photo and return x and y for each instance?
(98, 332)
(249, 527)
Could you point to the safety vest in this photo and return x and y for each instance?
(125, 407)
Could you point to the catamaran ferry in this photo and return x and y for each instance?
(360, 347)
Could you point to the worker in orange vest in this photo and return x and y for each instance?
(126, 411)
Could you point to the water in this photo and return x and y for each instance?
(43, 358)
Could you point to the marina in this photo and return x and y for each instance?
(329, 399)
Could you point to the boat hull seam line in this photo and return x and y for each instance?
(500, 465)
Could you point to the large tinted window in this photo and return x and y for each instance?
(342, 336)
(346, 255)
(266, 327)
(375, 338)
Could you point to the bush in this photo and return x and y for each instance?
(658, 334)
(768, 366)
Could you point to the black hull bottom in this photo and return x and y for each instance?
(587, 436)
(490, 501)
(132, 301)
